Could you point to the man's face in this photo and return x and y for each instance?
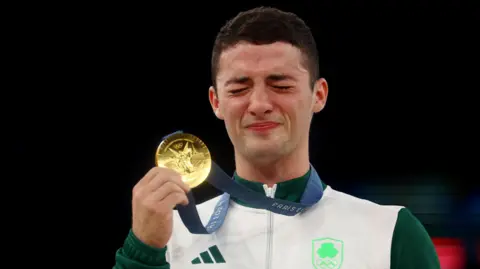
(264, 95)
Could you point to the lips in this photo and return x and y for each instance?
(262, 126)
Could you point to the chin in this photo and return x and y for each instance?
(264, 150)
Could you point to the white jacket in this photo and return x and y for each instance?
(340, 231)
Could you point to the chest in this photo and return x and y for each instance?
(278, 242)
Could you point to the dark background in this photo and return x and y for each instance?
(398, 128)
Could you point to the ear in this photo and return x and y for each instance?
(213, 97)
(320, 92)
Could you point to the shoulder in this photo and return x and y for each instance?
(355, 206)
(412, 247)
(403, 220)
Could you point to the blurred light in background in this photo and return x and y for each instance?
(451, 252)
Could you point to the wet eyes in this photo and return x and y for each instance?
(236, 91)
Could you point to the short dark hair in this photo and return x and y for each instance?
(267, 25)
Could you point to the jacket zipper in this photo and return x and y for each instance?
(270, 192)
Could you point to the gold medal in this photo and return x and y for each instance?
(187, 155)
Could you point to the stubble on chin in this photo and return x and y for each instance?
(264, 152)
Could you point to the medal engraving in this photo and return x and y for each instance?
(187, 155)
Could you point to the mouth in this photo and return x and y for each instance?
(262, 126)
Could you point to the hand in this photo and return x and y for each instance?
(153, 200)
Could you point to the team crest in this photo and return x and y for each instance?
(327, 253)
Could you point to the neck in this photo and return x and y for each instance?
(270, 172)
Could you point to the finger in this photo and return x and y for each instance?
(157, 182)
(166, 189)
(171, 175)
(177, 178)
(149, 176)
(161, 178)
(174, 199)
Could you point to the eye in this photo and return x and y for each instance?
(237, 91)
(282, 87)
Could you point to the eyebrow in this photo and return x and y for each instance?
(244, 79)
(279, 77)
(237, 80)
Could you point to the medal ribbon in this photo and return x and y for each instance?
(219, 179)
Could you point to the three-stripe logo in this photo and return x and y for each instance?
(212, 255)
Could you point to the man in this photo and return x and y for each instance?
(266, 88)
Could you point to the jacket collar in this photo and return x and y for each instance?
(290, 190)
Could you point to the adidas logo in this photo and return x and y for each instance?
(212, 255)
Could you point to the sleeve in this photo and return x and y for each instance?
(412, 247)
(134, 254)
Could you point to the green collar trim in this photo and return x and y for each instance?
(290, 190)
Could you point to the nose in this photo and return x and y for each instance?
(260, 103)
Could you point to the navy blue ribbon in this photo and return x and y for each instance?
(219, 179)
